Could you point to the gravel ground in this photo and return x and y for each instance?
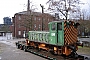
(8, 51)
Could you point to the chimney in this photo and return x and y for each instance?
(28, 6)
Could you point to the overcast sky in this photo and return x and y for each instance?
(9, 7)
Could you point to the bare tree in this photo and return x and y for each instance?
(88, 10)
(84, 26)
(5, 28)
(84, 14)
(27, 22)
(64, 6)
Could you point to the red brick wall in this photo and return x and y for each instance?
(36, 23)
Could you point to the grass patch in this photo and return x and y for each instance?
(80, 47)
(84, 50)
(83, 47)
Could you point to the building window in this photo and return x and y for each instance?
(48, 19)
(43, 19)
(39, 19)
(19, 26)
(19, 32)
(19, 17)
(35, 18)
(39, 25)
(34, 25)
(24, 32)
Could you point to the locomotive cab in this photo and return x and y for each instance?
(56, 31)
(64, 34)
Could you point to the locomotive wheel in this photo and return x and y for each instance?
(25, 48)
(53, 52)
(74, 55)
(21, 47)
(17, 46)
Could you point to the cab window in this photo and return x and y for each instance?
(53, 26)
(59, 26)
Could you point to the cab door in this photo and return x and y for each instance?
(60, 34)
(53, 33)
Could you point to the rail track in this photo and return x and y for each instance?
(47, 55)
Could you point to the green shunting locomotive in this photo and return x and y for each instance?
(60, 39)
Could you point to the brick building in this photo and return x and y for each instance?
(27, 20)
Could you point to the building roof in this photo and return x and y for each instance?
(34, 13)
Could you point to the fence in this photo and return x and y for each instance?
(86, 43)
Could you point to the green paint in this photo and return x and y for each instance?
(55, 36)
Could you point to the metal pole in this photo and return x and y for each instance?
(42, 14)
(28, 6)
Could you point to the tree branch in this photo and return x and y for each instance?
(61, 12)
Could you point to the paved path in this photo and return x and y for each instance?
(8, 51)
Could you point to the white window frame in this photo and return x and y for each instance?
(39, 19)
(39, 26)
(34, 25)
(19, 32)
(19, 17)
